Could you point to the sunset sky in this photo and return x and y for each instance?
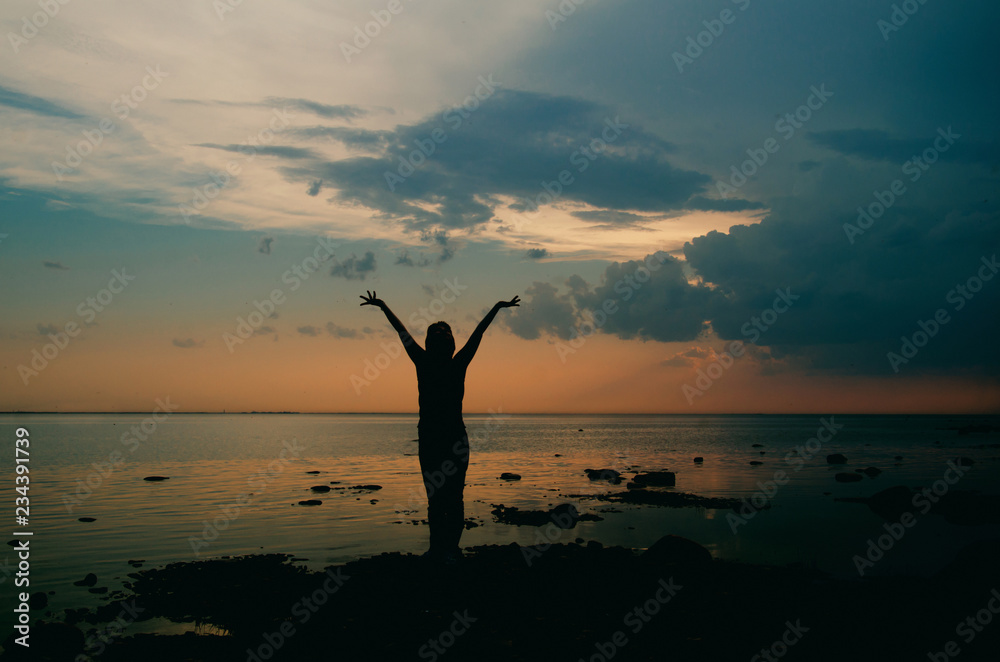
(680, 175)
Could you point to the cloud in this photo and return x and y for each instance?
(357, 139)
(341, 332)
(700, 203)
(543, 311)
(649, 299)
(879, 145)
(282, 151)
(353, 268)
(405, 260)
(264, 245)
(536, 253)
(314, 187)
(309, 330)
(689, 357)
(347, 112)
(457, 186)
(187, 343)
(37, 105)
(604, 219)
(47, 329)
(54, 265)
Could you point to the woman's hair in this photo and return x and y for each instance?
(440, 341)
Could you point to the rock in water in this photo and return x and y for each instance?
(848, 478)
(836, 458)
(609, 475)
(310, 502)
(871, 472)
(320, 488)
(154, 479)
(509, 476)
(89, 580)
(699, 459)
(655, 479)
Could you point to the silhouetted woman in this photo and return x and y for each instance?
(444, 444)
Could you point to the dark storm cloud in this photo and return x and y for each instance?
(314, 187)
(649, 299)
(510, 145)
(264, 245)
(187, 343)
(537, 253)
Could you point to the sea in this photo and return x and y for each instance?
(233, 484)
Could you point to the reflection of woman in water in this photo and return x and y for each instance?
(444, 444)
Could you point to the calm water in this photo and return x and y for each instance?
(214, 459)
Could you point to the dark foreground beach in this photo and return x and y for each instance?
(564, 602)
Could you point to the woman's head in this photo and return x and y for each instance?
(440, 342)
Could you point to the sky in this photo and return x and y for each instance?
(729, 206)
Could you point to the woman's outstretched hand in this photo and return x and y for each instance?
(516, 301)
(373, 300)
